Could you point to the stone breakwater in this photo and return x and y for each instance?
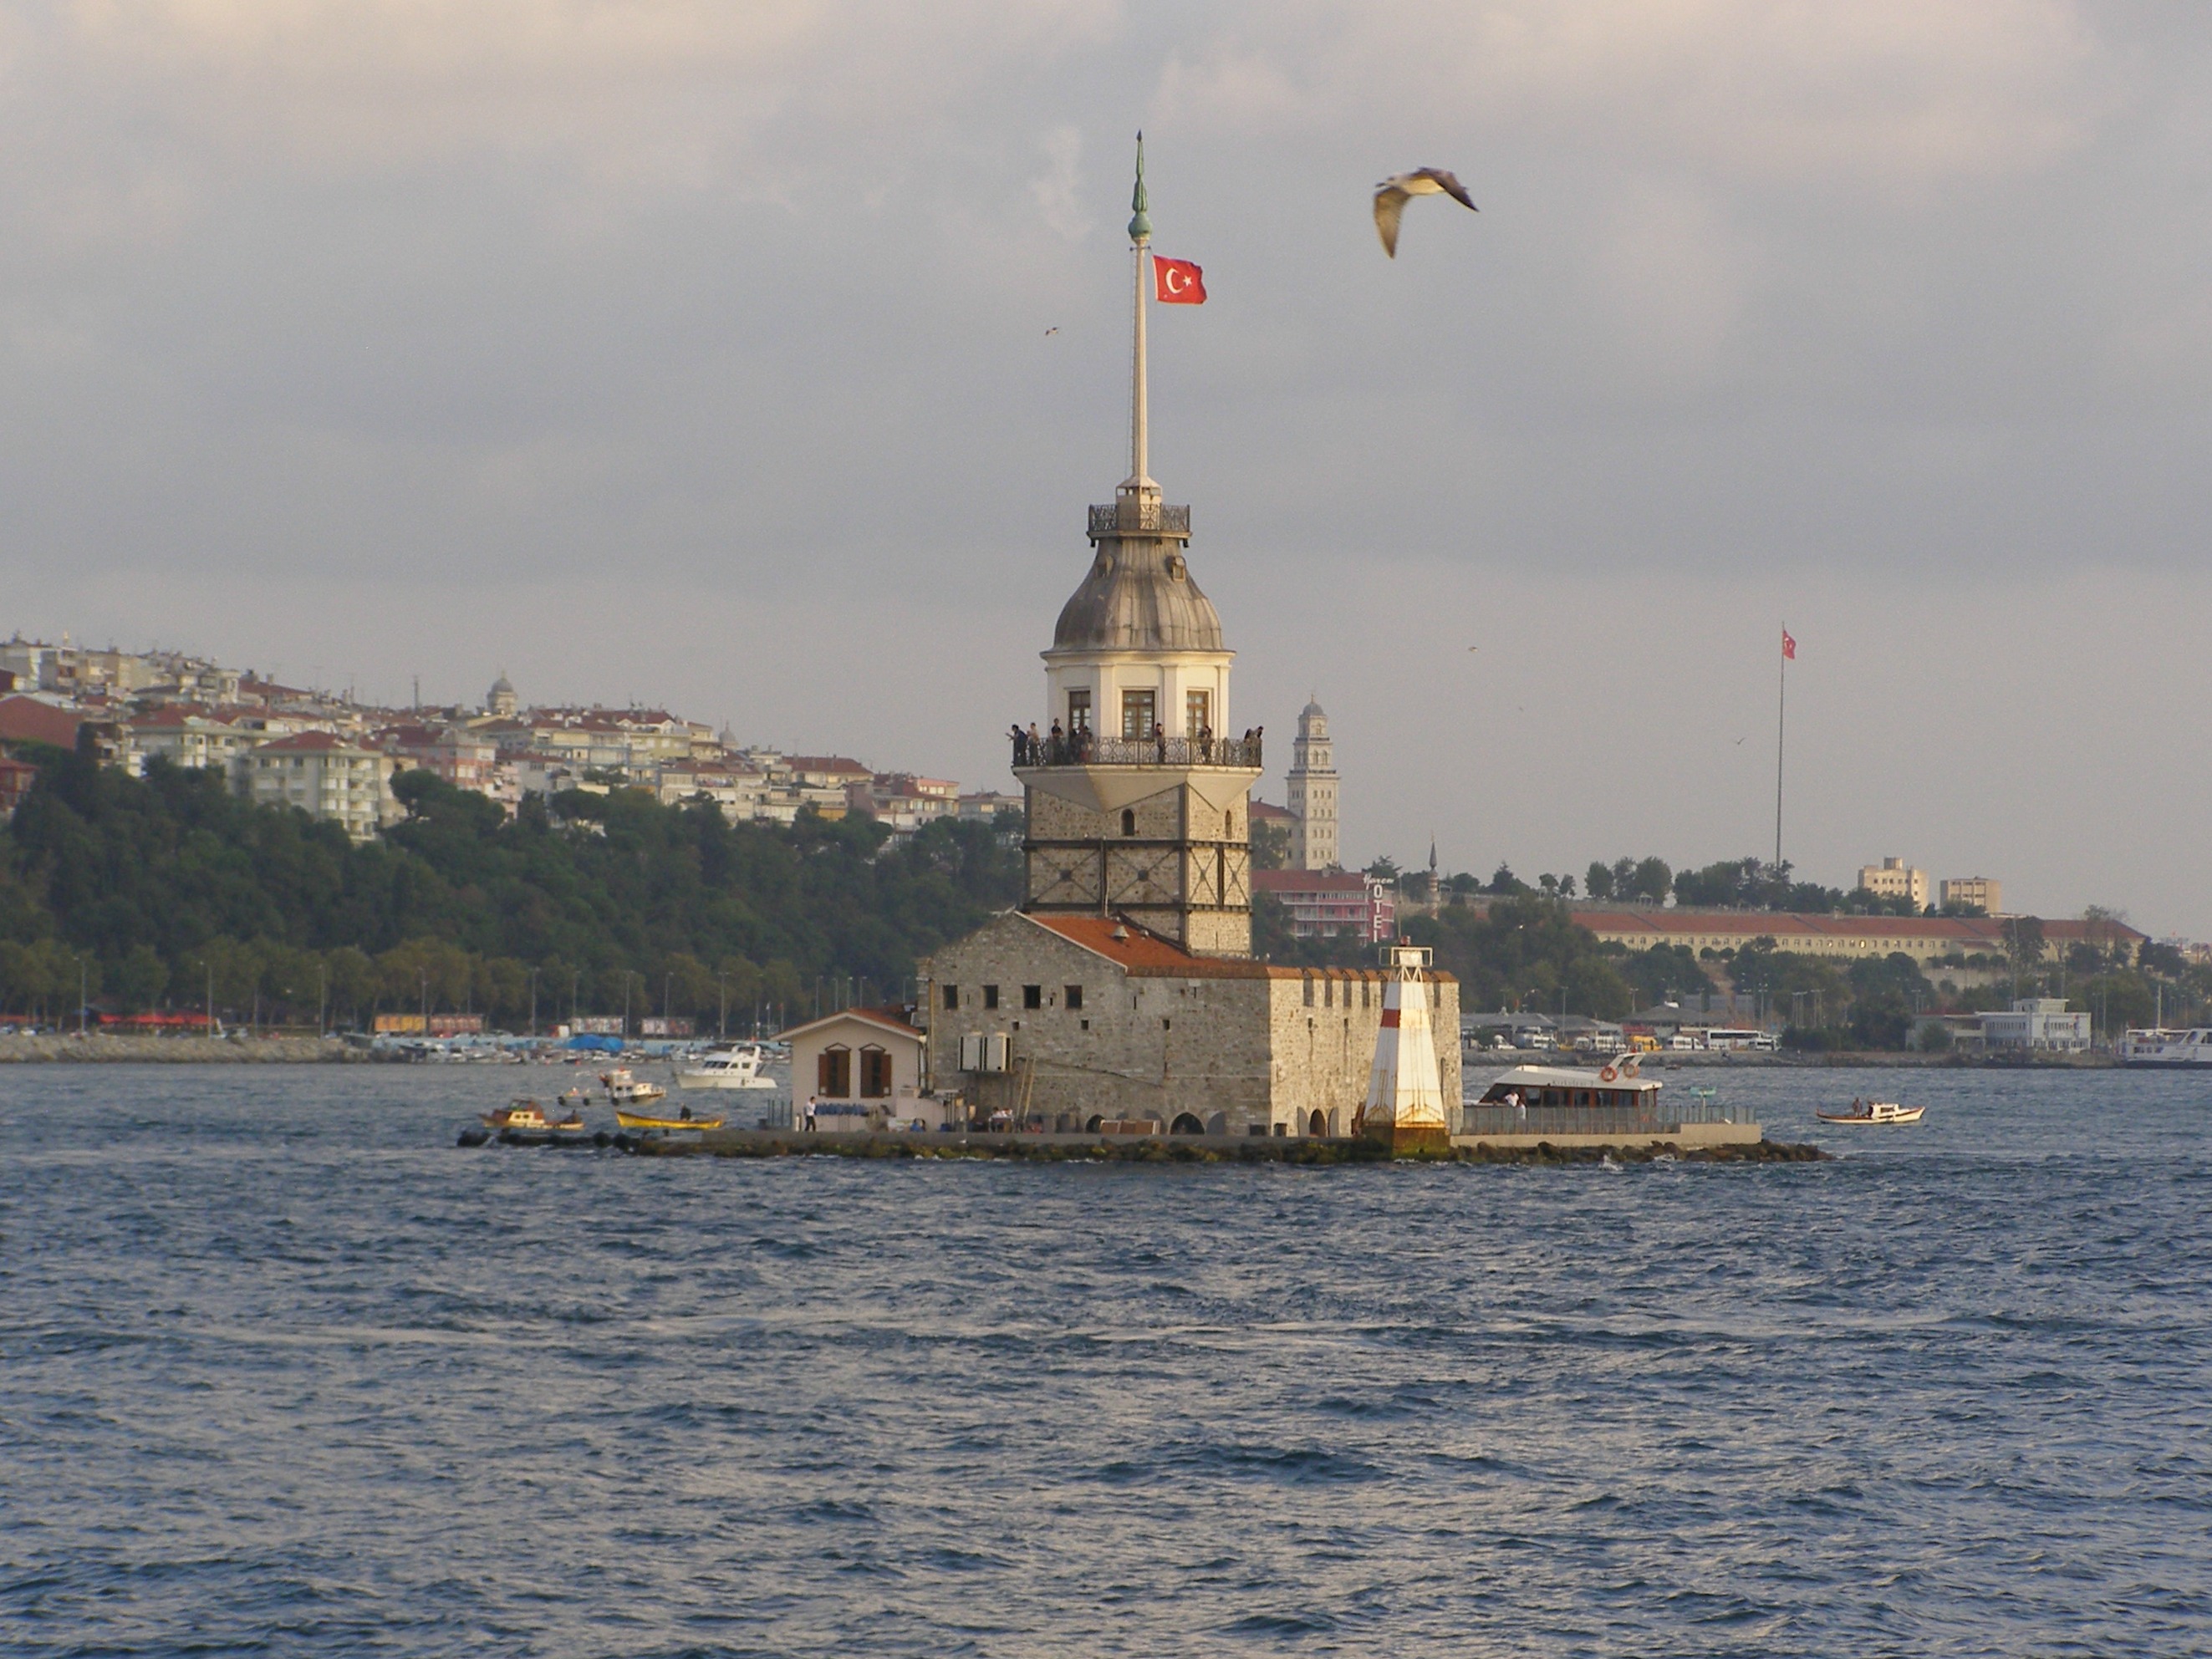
(1191, 1149)
(175, 1050)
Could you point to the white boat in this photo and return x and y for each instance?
(2162, 1048)
(623, 1090)
(1873, 1111)
(735, 1067)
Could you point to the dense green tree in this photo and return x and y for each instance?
(1271, 845)
(600, 891)
(1523, 944)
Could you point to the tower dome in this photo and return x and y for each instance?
(500, 699)
(1139, 596)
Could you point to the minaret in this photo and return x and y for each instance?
(1139, 810)
(1311, 787)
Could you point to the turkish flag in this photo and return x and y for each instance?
(1177, 283)
(1788, 646)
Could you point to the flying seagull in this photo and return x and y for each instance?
(1052, 331)
(1390, 198)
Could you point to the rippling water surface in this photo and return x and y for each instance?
(281, 1370)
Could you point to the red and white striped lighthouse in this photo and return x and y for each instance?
(1405, 1107)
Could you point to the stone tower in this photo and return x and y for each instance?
(1140, 807)
(1312, 785)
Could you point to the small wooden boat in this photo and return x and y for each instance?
(1873, 1111)
(623, 1090)
(640, 1121)
(528, 1117)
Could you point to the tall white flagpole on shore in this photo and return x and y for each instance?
(1781, 728)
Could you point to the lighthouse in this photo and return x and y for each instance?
(1405, 1106)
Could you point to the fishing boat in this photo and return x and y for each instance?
(528, 1117)
(735, 1067)
(623, 1090)
(643, 1121)
(1873, 1111)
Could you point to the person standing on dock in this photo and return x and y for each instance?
(809, 1114)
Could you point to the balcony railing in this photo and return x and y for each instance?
(1492, 1119)
(1082, 748)
(1143, 517)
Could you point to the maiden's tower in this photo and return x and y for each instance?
(1124, 989)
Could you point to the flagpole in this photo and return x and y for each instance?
(1781, 728)
(1140, 236)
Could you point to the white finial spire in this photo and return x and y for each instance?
(1141, 237)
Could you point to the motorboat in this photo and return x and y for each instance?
(528, 1117)
(2165, 1048)
(644, 1121)
(735, 1067)
(625, 1089)
(1873, 1111)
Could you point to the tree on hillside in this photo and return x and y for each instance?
(1520, 945)
(283, 911)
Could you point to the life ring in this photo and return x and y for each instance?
(1608, 1075)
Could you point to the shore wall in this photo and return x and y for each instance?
(181, 1050)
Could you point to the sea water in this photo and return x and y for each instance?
(285, 1371)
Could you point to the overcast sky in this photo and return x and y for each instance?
(695, 353)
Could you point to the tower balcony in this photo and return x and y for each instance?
(1139, 515)
(1082, 748)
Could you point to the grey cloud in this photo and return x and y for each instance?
(693, 352)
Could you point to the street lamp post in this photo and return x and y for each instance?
(533, 1002)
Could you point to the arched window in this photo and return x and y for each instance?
(875, 1073)
(1128, 821)
(833, 1072)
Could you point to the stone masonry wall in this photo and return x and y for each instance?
(1138, 1047)
(1235, 1045)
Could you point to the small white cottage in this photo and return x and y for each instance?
(863, 1070)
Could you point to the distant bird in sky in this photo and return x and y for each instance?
(1054, 330)
(1392, 193)
(1474, 647)
(1738, 743)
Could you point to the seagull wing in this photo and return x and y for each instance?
(1389, 203)
(1449, 186)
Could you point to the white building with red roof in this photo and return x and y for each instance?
(325, 777)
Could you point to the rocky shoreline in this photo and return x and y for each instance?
(104, 1047)
(1191, 1149)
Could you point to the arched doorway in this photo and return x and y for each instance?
(1217, 1124)
(1185, 1124)
(1096, 1123)
(1316, 1126)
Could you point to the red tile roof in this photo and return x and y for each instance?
(1268, 812)
(29, 720)
(890, 1020)
(1309, 881)
(1144, 954)
(1966, 932)
(308, 740)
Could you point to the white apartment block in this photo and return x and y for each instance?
(1974, 889)
(326, 777)
(1894, 878)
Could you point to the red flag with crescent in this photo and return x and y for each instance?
(1788, 646)
(1177, 283)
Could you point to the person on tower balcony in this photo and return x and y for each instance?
(1037, 746)
(1021, 746)
(1259, 739)
(1058, 752)
(1205, 745)
(1160, 743)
